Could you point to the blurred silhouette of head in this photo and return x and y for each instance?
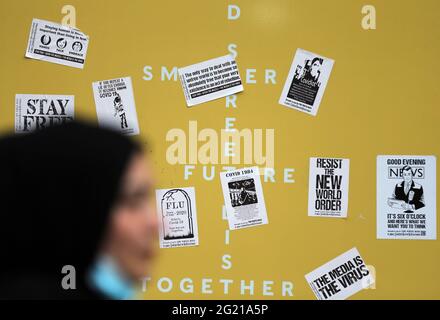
(70, 195)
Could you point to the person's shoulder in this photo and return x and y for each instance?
(417, 186)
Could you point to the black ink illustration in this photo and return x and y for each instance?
(177, 219)
(407, 194)
(306, 81)
(242, 192)
(61, 43)
(77, 46)
(119, 110)
(45, 39)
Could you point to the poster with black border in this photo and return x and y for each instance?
(306, 82)
(53, 42)
(34, 112)
(244, 199)
(341, 277)
(115, 105)
(406, 197)
(177, 213)
(328, 187)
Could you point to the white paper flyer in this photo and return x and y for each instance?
(306, 82)
(341, 277)
(328, 187)
(210, 80)
(53, 42)
(406, 197)
(37, 111)
(176, 209)
(244, 200)
(115, 105)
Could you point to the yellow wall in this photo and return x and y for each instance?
(382, 98)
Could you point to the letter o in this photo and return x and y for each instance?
(160, 284)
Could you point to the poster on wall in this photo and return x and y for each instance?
(406, 197)
(244, 200)
(306, 82)
(210, 80)
(176, 209)
(38, 111)
(115, 105)
(341, 277)
(53, 42)
(328, 187)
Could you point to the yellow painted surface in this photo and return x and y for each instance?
(382, 98)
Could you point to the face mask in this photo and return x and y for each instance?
(106, 277)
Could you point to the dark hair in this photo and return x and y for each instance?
(407, 168)
(67, 208)
(317, 59)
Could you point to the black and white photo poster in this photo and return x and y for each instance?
(328, 187)
(176, 209)
(53, 42)
(306, 82)
(406, 197)
(341, 277)
(37, 111)
(244, 200)
(115, 105)
(210, 80)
